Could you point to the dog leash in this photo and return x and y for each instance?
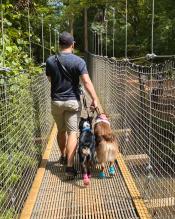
(85, 101)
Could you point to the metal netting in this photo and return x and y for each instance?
(25, 123)
(141, 104)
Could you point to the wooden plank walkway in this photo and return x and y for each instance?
(61, 198)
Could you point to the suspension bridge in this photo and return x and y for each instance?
(140, 101)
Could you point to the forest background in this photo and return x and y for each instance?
(69, 15)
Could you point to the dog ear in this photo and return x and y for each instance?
(81, 122)
(90, 119)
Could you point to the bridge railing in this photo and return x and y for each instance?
(25, 123)
(141, 104)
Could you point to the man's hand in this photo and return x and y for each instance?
(93, 105)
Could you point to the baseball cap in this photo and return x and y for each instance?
(66, 39)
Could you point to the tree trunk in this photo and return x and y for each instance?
(85, 30)
(71, 25)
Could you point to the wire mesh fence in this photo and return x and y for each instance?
(141, 104)
(25, 123)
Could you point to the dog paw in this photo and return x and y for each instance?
(102, 175)
(86, 180)
(111, 171)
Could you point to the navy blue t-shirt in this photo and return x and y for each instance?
(63, 88)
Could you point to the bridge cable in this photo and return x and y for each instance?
(149, 167)
(126, 30)
(95, 42)
(2, 30)
(58, 34)
(101, 36)
(125, 78)
(106, 30)
(29, 29)
(42, 35)
(92, 41)
(152, 27)
(113, 46)
(50, 38)
(98, 38)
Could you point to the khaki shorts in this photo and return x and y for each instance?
(66, 114)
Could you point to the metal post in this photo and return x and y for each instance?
(42, 33)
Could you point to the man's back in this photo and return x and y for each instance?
(62, 87)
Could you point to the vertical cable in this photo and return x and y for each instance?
(106, 38)
(101, 35)
(50, 38)
(152, 30)
(29, 28)
(126, 33)
(149, 167)
(113, 33)
(55, 31)
(2, 29)
(42, 33)
(92, 41)
(58, 35)
(98, 37)
(95, 42)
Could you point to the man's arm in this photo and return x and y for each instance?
(49, 78)
(90, 88)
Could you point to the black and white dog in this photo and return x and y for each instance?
(86, 149)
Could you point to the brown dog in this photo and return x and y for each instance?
(106, 145)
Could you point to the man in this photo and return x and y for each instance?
(64, 72)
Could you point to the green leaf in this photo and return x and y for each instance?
(9, 49)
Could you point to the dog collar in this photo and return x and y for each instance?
(102, 120)
(86, 129)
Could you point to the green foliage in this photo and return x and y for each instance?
(8, 214)
(2, 197)
(18, 152)
(70, 12)
(139, 24)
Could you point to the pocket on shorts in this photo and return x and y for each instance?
(56, 106)
(73, 105)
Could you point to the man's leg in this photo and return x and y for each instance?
(58, 115)
(71, 148)
(72, 116)
(62, 141)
